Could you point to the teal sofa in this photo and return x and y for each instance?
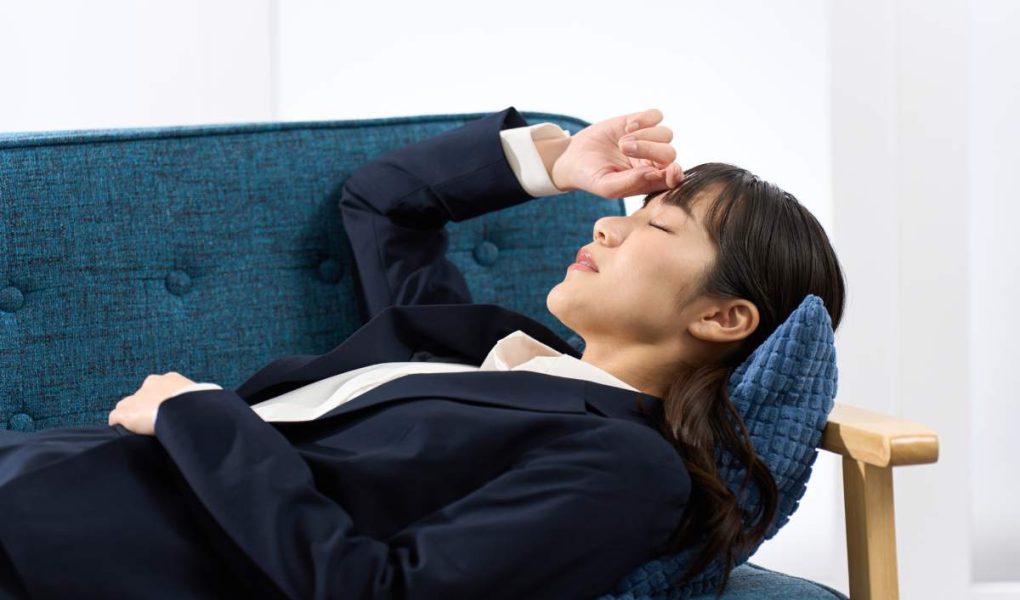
(210, 250)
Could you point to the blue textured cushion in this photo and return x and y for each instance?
(784, 392)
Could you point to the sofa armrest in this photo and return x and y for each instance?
(871, 444)
(878, 439)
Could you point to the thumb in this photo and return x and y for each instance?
(638, 180)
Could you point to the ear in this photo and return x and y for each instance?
(726, 320)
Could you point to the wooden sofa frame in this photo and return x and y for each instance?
(871, 444)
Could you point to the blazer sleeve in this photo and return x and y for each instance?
(568, 520)
(395, 206)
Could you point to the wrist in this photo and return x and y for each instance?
(550, 151)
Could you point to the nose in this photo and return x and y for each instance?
(610, 230)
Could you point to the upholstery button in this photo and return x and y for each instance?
(330, 270)
(486, 252)
(11, 299)
(178, 282)
(20, 422)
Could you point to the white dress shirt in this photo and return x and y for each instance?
(517, 351)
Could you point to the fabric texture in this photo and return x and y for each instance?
(521, 154)
(752, 582)
(210, 250)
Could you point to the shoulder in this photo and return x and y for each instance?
(635, 456)
(640, 473)
(646, 451)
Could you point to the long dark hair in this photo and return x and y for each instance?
(772, 252)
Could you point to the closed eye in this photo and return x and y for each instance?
(659, 227)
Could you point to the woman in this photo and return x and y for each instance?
(508, 483)
(686, 288)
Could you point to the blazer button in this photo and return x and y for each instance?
(11, 299)
(178, 282)
(486, 252)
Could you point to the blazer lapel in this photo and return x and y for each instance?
(518, 390)
(466, 331)
(397, 333)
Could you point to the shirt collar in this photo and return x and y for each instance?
(518, 351)
(521, 352)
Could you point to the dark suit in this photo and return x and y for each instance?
(450, 485)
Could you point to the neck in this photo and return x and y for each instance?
(639, 366)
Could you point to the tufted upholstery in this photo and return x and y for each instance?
(212, 250)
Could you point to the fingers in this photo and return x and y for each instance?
(659, 133)
(659, 152)
(638, 180)
(648, 145)
(671, 176)
(676, 176)
(642, 119)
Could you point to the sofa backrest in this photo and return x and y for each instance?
(211, 250)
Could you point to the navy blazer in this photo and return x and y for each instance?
(482, 484)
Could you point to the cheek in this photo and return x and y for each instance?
(648, 265)
(654, 281)
(643, 282)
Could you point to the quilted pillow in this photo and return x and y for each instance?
(784, 392)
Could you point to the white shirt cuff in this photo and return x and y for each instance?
(194, 387)
(521, 153)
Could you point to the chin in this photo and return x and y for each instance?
(550, 303)
(558, 302)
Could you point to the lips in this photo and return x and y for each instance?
(585, 257)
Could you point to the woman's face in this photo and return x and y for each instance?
(650, 265)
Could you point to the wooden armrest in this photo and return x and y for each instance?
(878, 439)
(871, 443)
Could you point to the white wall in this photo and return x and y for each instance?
(68, 64)
(924, 154)
(894, 121)
(742, 82)
(901, 212)
(995, 287)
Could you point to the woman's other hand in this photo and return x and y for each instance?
(137, 412)
(599, 160)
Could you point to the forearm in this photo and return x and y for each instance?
(456, 175)
(263, 496)
(395, 207)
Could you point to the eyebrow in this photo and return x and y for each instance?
(684, 207)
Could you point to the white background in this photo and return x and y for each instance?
(894, 121)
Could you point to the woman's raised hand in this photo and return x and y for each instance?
(623, 156)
